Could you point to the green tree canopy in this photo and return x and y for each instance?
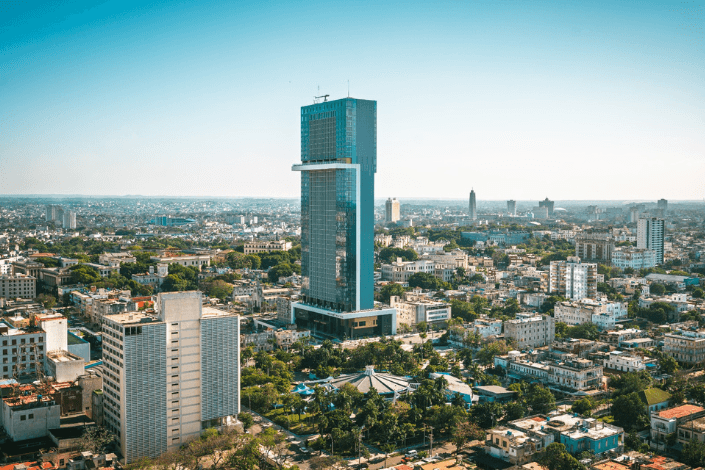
(555, 457)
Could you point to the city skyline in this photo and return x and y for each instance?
(124, 98)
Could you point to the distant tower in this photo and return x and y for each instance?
(548, 204)
(512, 207)
(473, 205)
(393, 210)
(662, 204)
(649, 236)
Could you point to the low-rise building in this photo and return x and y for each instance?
(31, 414)
(594, 436)
(266, 246)
(413, 309)
(511, 445)
(531, 331)
(18, 285)
(22, 350)
(665, 422)
(487, 327)
(286, 337)
(600, 312)
(64, 366)
(494, 393)
(197, 261)
(456, 386)
(655, 399)
(620, 361)
(634, 258)
(687, 347)
(116, 259)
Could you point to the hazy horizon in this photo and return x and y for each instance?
(517, 99)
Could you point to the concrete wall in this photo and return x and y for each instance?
(56, 330)
(36, 422)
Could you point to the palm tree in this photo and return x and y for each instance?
(386, 448)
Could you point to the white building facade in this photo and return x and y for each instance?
(170, 375)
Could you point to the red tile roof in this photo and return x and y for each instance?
(30, 466)
(680, 411)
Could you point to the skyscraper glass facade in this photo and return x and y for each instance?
(339, 157)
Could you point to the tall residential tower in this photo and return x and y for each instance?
(512, 207)
(392, 210)
(649, 236)
(338, 165)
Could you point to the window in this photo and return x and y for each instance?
(23, 418)
(31, 416)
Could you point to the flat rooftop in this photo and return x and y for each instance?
(63, 356)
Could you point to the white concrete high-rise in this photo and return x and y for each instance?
(169, 375)
(649, 236)
(69, 220)
(392, 210)
(473, 205)
(573, 279)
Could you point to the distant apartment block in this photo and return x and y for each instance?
(392, 210)
(498, 237)
(412, 310)
(633, 258)
(266, 246)
(487, 327)
(617, 360)
(169, 375)
(602, 313)
(687, 347)
(531, 331)
(197, 261)
(573, 279)
(594, 247)
(512, 207)
(166, 221)
(649, 236)
(18, 285)
(116, 259)
(22, 349)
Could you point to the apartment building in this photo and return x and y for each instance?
(531, 331)
(198, 261)
(400, 271)
(116, 259)
(649, 236)
(602, 313)
(169, 375)
(666, 422)
(18, 285)
(23, 350)
(254, 247)
(617, 360)
(573, 279)
(392, 210)
(687, 347)
(487, 327)
(413, 309)
(511, 445)
(634, 258)
(594, 246)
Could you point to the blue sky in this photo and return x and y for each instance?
(516, 98)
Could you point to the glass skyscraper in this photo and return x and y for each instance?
(338, 165)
